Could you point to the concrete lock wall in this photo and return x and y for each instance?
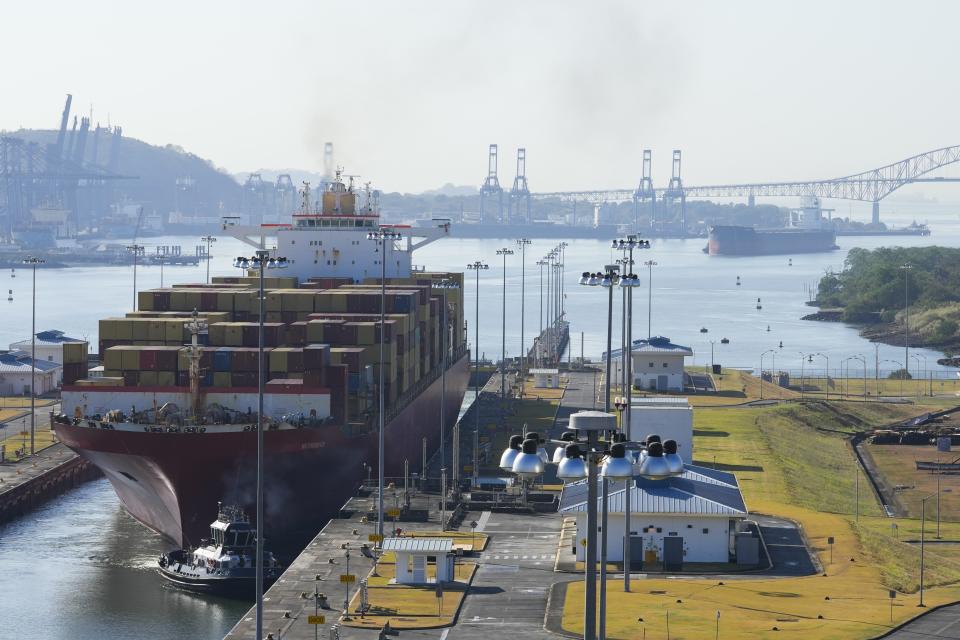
(712, 546)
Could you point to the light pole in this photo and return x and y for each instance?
(135, 249)
(803, 359)
(541, 264)
(923, 528)
(773, 351)
(208, 240)
(503, 332)
(477, 266)
(161, 259)
(902, 372)
(384, 237)
(262, 261)
(444, 286)
(522, 243)
(33, 261)
(827, 382)
(920, 371)
(629, 282)
(608, 280)
(906, 314)
(594, 438)
(863, 361)
(650, 264)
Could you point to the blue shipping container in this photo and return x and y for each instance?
(222, 360)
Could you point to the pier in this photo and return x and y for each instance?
(31, 481)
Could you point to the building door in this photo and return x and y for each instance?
(636, 553)
(663, 383)
(672, 553)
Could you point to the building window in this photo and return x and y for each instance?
(651, 364)
(664, 365)
(49, 358)
(705, 531)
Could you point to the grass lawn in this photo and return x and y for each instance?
(793, 460)
(13, 438)
(409, 607)
(21, 402)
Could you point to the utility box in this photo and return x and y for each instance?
(747, 550)
(670, 417)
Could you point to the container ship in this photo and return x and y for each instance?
(172, 422)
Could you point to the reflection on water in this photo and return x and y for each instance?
(80, 568)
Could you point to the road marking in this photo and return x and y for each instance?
(482, 520)
(443, 636)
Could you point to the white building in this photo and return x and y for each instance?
(414, 555)
(691, 518)
(15, 374)
(657, 364)
(670, 417)
(49, 345)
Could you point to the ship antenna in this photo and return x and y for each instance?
(195, 325)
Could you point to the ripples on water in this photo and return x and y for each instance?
(80, 568)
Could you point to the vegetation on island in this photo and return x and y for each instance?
(889, 285)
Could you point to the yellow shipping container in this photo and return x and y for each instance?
(217, 334)
(233, 334)
(113, 359)
(166, 378)
(145, 300)
(178, 300)
(279, 359)
(74, 352)
(222, 379)
(148, 379)
(130, 358)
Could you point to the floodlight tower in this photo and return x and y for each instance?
(491, 187)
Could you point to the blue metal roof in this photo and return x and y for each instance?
(50, 337)
(19, 361)
(698, 491)
(656, 344)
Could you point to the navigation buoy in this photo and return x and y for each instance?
(758, 304)
(10, 296)
(790, 262)
(768, 328)
(781, 344)
(738, 281)
(13, 273)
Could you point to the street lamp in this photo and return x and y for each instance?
(136, 250)
(594, 439)
(384, 237)
(774, 352)
(608, 279)
(650, 264)
(921, 371)
(539, 341)
(903, 372)
(32, 262)
(261, 261)
(923, 528)
(477, 266)
(863, 361)
(906, 314)
(503, 334)
(827, 383)
(522, 243)
(161, 259)
(208, 240)
(444, 286)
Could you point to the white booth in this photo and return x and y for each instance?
(414, 555)
(546, 378)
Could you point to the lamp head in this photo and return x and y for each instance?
(528, 463)
(573, 466)
(616, 466)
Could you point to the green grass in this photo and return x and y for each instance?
(898, 560)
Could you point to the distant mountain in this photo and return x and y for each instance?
(452, 190)
(168, 178)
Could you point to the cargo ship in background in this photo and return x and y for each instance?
(172, 422)
(808, 233)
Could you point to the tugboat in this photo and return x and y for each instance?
(223, 564)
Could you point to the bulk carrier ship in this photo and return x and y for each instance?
(173, 424)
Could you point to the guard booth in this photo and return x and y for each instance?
(416, 555)
(546, 378)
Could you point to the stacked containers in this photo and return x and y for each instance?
(74, 361)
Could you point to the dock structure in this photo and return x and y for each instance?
(526, 559)
(31, 481)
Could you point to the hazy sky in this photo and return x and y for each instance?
(411, 93)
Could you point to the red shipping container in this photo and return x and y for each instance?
(148, 360)
(208, 301)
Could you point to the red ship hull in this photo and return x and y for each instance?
(172, 482)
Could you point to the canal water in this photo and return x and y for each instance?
(80, 568)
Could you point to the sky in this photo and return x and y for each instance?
(412, 93)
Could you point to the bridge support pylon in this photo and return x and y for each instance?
(875, 218)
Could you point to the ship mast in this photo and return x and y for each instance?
(195, 326)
